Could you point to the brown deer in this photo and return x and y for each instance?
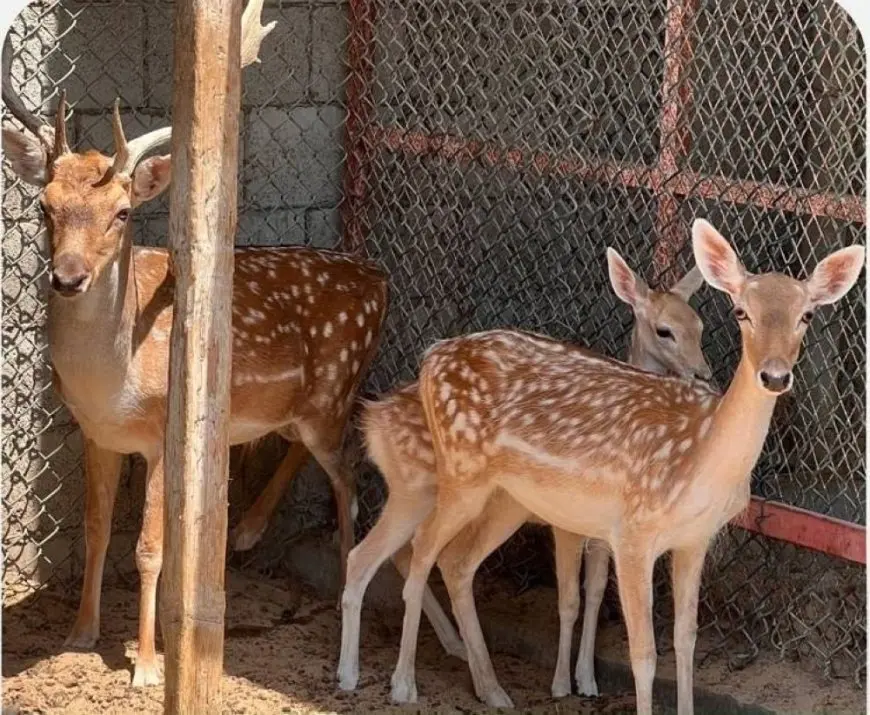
(665, 338)
(305, 328)
(647, 464)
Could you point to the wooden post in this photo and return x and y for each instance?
(202, 225)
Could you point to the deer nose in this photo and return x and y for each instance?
(69, 275)
(775, 376)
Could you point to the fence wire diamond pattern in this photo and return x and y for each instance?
(486, 153)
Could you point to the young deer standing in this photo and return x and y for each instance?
(666, 338)
(646, 463)
(305, 327)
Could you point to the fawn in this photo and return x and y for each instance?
(665, 338)
(646, 463)
(306, 325)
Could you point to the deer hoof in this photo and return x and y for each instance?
(248, 533)
(498, 698)
(561, 689)
(146, 673)
(82, 638)
(348, 679)
(587, 687)
(404, 690)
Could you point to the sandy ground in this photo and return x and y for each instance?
(281, 653)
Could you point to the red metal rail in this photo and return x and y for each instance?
(808, 529)
(686, 183)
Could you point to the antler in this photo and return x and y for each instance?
(128, 154)
(16, 106)
(61, 146)
(253, 33)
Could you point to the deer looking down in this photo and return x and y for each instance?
(305, 327)
(647, 464)
(665, 338)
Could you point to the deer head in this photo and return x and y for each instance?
(773, 310)
(87, 197)
(666, 328)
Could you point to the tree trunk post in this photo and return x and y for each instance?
(202, 225)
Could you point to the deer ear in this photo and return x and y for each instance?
(150, 178)
(716, 259)
(835, 275)
(629, 287)
(27, 156)
(689, 284)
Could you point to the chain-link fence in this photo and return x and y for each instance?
(486, 153)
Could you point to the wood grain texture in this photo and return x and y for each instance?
(202, 227)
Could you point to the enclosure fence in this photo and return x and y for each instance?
(486, 153)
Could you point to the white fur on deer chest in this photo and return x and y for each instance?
(105, 406)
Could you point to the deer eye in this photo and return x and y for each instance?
(665, 333)
(123, 215)
(807, 317)
(740, 314)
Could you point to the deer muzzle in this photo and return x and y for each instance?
(70, 275)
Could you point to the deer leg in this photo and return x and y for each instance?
(634, 576)
(334, 463)
(444, 628)
(395, 526)
(458, 562)
(449, 516)
(568, 550)
(687, 565)
(149, 561)
(250, 529)
(102, 471)
(597, 565)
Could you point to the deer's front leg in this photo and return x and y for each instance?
(687, 565)
(149, 560)
(102, 470)
(634, 568)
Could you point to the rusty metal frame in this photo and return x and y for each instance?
(668, 178)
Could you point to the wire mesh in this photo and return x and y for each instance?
(486, 153)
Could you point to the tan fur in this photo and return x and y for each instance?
(647, 464)
(400, 444)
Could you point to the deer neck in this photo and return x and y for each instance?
(90, 337)
(736, 436)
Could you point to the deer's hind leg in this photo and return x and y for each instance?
(458, 563)
(326, 443)
(250, 529)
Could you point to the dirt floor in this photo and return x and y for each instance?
(281, 649)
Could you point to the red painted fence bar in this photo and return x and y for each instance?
(686, 183)
(674, 133)
(808, 529)
(360, 58)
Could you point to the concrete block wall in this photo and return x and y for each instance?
(290, 172)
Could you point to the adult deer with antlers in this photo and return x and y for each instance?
(665, 338)
(305, 327)
(645, 463)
